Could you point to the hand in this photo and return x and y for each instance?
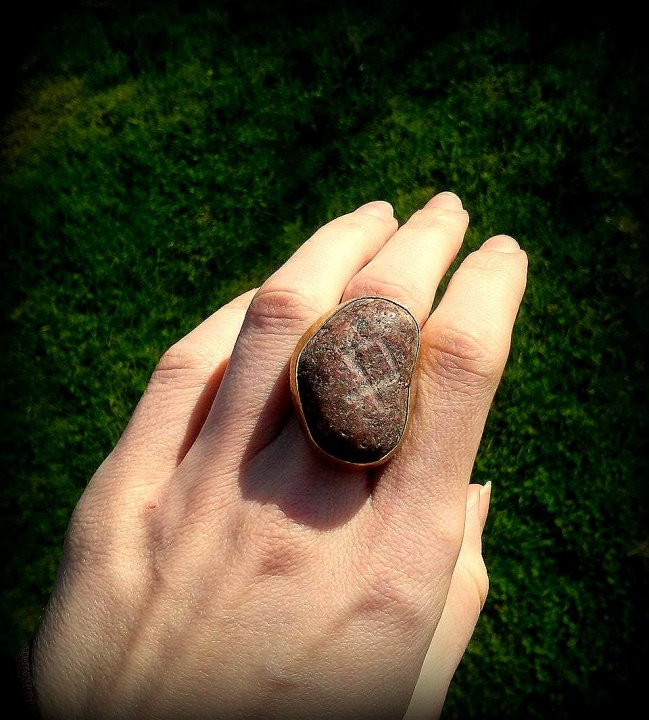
(217, 567)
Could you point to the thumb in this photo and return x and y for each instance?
(466, 597)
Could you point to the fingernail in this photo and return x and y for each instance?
(378, 208)
(446, 199)
(485, 502)
(501, 243)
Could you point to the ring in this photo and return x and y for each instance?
(352, 377)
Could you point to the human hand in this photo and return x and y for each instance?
(217, 567)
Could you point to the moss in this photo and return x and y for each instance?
(161, 160)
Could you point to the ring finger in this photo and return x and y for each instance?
(409, 267)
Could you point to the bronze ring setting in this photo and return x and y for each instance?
(352, 378)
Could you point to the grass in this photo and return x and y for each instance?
(160, 158)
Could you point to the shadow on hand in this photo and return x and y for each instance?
(279, 466)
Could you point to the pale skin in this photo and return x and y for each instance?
(217, 567)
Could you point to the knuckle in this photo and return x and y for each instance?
(463, 358)
(275, 308)
(181, 359)
(360, 222)
(481, 580)
(476, 584)
(437, 218)
(397, 287)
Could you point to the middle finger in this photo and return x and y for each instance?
(254, 396)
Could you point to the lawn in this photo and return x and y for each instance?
(160, 158)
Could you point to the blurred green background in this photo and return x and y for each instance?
(158, 158)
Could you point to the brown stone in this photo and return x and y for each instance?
(351, 377)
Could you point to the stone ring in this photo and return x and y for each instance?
(352, 375)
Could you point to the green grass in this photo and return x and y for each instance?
(160, 158)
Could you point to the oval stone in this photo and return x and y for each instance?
(351, 379)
